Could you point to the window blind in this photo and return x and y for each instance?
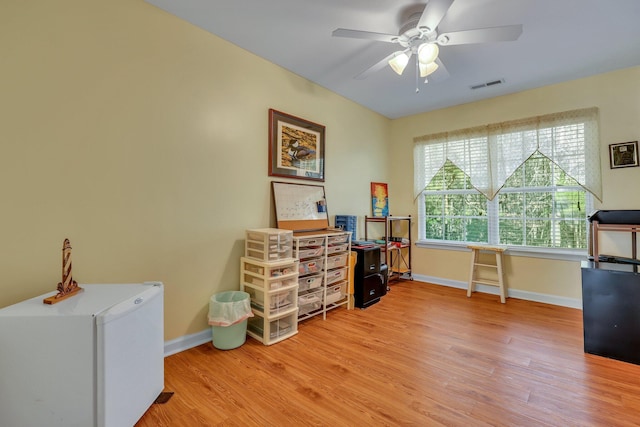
(490, 154)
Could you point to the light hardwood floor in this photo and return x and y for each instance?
(426, 355)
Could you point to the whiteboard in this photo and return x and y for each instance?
(300, 207)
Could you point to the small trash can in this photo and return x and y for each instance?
(228, 314)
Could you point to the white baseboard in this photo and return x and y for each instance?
(515, 293)
(189, 341)
(186, 342)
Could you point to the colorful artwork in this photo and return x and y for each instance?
(379, 199)
(296, 147)
(298, 150)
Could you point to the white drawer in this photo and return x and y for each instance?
(309, 282)
(336, 261)
(310, 252)
(338, 239)
(311, 266)
(332, 249)
(310, 241)
(336, 275)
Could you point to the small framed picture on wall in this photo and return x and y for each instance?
(623, 155)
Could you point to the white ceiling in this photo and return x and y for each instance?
(561, 40)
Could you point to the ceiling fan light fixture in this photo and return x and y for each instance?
(427, 69)
(427, 53)
(399, 62)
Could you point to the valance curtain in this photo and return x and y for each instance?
(491, 154)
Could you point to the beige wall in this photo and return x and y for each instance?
(616, 94)
(143, 139)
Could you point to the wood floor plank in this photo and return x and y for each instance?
(425, 355)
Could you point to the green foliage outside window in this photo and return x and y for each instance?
(539, 205)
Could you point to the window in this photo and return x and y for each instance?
(539, 198)
(539, 206)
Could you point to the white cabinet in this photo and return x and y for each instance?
(323, 271)
(273, 288)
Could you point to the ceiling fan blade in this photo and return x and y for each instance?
(482, 35)
(374, 68)
(367, 35)
(433, 13)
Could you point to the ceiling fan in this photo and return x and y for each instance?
(419, 36)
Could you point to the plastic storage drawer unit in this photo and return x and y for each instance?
(273, 288)
(269, 244)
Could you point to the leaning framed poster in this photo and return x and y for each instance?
(296, 147)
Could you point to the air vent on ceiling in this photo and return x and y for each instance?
(487, 84)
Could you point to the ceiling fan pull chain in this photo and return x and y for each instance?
(417, 75)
